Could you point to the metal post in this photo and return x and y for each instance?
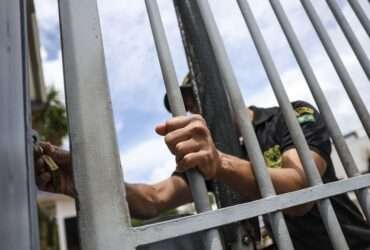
(326, 210)
(197, 184)
(342, 72)
(18, 211)
(351, 37)
(32, 188)
(339, 142)
(361, 15)
(104, 221)
(244, 121)
(208, 86)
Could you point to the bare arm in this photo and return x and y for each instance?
(147, 201)
(238, 174)
(189, 139)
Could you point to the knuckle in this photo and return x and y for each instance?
(179, 147)
(168, 139)
(186, 160)
(197, 145)
(200, 128)
(197, 117)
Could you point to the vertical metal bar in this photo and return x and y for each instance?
(208, 86)
(27, 67)
(103, 212)
(326, 210)
(18, 218)
(197, 184)
(361, 15)
(351, 36)
(278, 224)
(342, 72)
(339, 142)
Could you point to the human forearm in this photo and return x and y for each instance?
(147, 201)
(238, 174)
(142, 200)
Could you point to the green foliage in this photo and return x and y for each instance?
(48, 229)
(51, 120)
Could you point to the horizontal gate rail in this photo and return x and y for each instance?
(328, 116)
(212, 239)
(327, 212)
(198, 222)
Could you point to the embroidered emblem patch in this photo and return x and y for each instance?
(305, 114)
(273, 157)
(306, 118)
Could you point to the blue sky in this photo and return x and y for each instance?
(136, 82)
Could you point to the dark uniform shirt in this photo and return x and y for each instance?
(308, 231)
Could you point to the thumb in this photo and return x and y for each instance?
(161, 129)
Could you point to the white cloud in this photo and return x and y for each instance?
(48, 23)
(47, 13)
(149, 161)
(53, 72)
(133, 66)
(297, 89)
(136, 80)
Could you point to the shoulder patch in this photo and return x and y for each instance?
(306, 118)
(305, 114)
(304, 110)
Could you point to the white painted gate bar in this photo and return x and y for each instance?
(103, 212)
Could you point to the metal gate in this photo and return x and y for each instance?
(18, 214)
(104, 219)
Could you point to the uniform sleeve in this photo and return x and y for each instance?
(314, 130)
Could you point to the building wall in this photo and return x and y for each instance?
(65, 207)
(359, 145)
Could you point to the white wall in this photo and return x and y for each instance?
(360, 149)
(65, 208)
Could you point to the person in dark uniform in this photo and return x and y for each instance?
(307, 231)
(189, 139)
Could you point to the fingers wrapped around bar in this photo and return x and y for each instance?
(189, 139)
